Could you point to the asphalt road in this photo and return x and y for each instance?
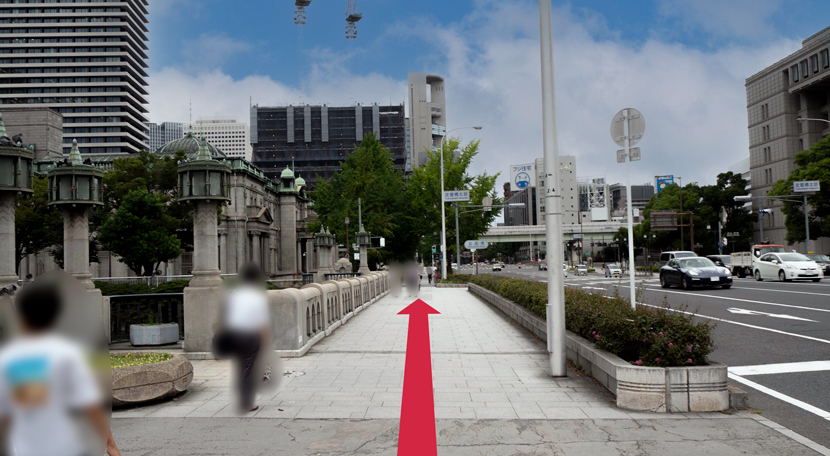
(774, 336)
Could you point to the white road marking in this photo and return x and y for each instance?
(765, 314)
(782, 291)
(663, 290)
(781, 368)
(777, 331)
(780, 396)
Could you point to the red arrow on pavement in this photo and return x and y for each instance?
(417, 432)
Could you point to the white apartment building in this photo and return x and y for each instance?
(163, 133)
(226, 133)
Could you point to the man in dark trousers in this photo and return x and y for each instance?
(246, 325)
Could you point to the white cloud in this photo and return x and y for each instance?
(212, 50)
(738, 18)
(694, 101)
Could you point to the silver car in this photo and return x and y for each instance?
(613, 270)
(581, 269)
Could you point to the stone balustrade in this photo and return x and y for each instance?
(301, 317)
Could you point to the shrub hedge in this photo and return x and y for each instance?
(642, 336)
(112, 289)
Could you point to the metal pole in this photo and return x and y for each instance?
(443, 217)
(630, 210)
(529, 224)
(761, 224)
(553, 200)
(720, 240)
(680, 180)
(359, 213)
(457, 246)
(806, 224)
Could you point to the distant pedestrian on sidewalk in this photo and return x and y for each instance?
(413, 280)
(244, 332)
(430, 272)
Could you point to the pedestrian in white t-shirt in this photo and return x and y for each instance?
(44, 379)
(247, 331)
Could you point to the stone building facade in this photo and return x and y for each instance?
(265, 221)
(40, 127)
(795, 87)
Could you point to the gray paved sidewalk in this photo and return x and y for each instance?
(484, 368)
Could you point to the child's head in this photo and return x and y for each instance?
(38, 306)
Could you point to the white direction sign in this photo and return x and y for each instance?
(476, 245)
(765, 314)
(806, 186)
(455, 196)
(636, 127)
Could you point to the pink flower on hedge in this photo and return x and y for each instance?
(639, 362)
(689, 360)
(656, 360)
(671, 345)
(594, 332)
(661, 333)
(596, 337)
(689, 347)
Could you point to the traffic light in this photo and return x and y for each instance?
(433, 249)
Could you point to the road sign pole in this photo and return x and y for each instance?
(457, 249)
(629, 203)
(806, 223)
(555, 308)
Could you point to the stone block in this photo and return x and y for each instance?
(149, 382)
(154, 334)
(201, 317)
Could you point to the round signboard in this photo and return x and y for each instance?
(522, 180)
(636, 127)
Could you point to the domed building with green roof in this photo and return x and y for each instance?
(264, 222)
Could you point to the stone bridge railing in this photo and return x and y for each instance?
(301, 317)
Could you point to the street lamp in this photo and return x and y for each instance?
(443, 214)
(803, 119)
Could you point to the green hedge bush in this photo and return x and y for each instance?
(457, 278)
(113, 289)
(645, 336)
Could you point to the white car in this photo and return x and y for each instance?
(581, 269)
(786, 267)
(613, 270)
(565, 269)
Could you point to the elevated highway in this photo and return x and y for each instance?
(590, 230)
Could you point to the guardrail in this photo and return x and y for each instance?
(126, 310)
(152, 281)
(308, 278)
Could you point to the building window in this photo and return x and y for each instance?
(794, 71)
(814, 63)
(800, 144)
(825, 58)
(805, 73)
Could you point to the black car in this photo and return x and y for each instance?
(724, 261)
(694, 272)
(823, 261)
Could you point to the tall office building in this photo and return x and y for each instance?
(84, 59)
(427, 115)
(163, 133)
(798, 86)
(231, 137)
(316, 139)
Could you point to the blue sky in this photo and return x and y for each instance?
(681, 62)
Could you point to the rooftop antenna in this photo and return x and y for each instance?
(300, 20)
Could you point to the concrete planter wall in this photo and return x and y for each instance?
(450, 285)
(167, 333)
(150, 382)
(653, 389)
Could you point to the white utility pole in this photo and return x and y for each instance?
(555, 308)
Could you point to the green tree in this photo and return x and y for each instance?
(424, 188)
(139, 231)
(38, 227)
(368, 173)
(813, 164)
(152, 173)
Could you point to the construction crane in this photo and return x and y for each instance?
(299, 20)
(352, 17)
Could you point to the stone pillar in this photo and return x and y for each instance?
(8, 253)
(76, 243)
(202, 297)
(223, 253)
(288, 234)
(205, 243)
(256, 249)
(364, 265)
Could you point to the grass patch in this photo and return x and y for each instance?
(138, 359)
